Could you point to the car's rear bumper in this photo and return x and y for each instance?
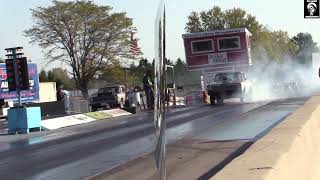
(225, 90)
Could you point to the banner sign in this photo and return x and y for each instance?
(31, 95)
(217, 58)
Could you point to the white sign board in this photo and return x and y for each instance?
(216, 58)
(66, 121)
(47, 91)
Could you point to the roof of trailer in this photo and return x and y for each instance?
(216, 32)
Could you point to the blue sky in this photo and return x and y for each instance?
(278, 15)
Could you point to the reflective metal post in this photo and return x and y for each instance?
(174, 85)
(166, 74)
(174, 88)
(160, 92)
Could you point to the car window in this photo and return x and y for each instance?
(228, 77)
(219, 77)
(109, 90)
(100, 92)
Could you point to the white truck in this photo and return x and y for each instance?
(108, 97)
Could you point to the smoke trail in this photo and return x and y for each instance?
(289, 79)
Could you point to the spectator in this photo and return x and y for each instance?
(66, 100)
(148, 88)
(60, 93)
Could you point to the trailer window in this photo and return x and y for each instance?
(202, 46)
(229, 43)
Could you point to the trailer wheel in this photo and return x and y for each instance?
(212, 100)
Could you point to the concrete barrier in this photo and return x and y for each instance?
(290, 151)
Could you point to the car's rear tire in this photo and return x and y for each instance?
(212, 100)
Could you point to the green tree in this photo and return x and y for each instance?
(43, 76)
(306, 46)
(180, 71)
(83, 35)
(266, 44)
(213, 19)
(142, 68)
(216, 19)
(274, 45)
(113, 74)
(180, 67)
(61, 77)
(183, 76)
(144, 64)
(194, 23)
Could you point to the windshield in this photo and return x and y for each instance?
(108, 91)
(228, 77)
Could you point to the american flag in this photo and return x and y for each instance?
(135, 50)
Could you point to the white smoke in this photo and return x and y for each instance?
(288, 79)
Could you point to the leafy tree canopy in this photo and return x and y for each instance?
(83, 35)
(266, 44)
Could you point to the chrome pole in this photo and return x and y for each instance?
(160, 92)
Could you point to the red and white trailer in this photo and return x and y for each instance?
(218, 51)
